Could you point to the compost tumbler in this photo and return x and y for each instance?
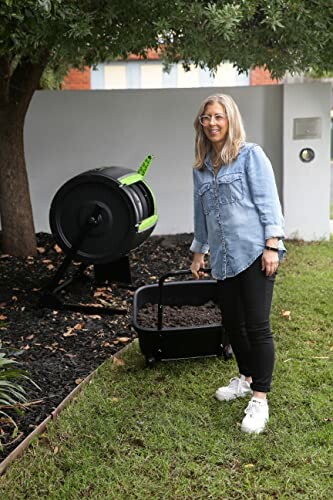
(112, 206)
(100, 215)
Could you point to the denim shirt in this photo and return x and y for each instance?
(236, 211)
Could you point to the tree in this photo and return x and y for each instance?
(37, 36)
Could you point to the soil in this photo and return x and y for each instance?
(176, 316)
(59, 348)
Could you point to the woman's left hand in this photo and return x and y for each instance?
(269, 262)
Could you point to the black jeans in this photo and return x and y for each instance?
(245, 302)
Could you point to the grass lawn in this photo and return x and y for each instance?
(136, 433)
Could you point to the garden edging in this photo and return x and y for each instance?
(18, 451)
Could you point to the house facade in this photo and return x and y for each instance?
(138, 73)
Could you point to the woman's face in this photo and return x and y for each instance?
(216, 125)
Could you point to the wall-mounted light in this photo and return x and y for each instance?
(306, 155)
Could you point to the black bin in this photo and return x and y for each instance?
(161, 344)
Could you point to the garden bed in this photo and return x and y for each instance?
(60, 348)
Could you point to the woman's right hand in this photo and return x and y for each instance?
(198, 262)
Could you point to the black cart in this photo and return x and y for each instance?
(161, 344)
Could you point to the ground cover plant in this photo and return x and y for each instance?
(158, 433)
(12, 394)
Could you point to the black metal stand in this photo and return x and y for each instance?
(118, 270)
(103, 272)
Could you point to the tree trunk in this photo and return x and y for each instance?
(18, 233)
(16, 91)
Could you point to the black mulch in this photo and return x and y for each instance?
(60, 348)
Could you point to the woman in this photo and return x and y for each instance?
(238, 218)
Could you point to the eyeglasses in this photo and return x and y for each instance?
(206, 119)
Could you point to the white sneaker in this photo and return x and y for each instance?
(238, 388)
(256, 416)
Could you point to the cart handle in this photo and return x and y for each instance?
(170, 274)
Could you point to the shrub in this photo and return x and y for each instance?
(12, 393)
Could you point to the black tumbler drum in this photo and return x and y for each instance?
(116, 205)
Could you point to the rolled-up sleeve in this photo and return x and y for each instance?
(264, 193)
(200, 240)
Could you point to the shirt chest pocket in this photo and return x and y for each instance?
(206, 194)
(230, 188)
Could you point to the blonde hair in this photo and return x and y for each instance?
(235, 135)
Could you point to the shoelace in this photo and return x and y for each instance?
(252, 408)
(236, 385)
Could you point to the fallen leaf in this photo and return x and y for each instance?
(57, 248)
(3, 305)
(14, 298)
(46, 261)
(49, 348)
(105, 302)
(56, 449)
(41, 250)
(78, 326)
(50, 267)
(99, 292)
(286, 314)
(2, 317)
(117, 361)
(95, 316)
(30, 337)
(123, 339)
(248, 466)
(4, 256)
(78, 381)
(106, 344)
(25, 347)
(69, 332)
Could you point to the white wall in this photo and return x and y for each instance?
(69, 132)
(306, 192)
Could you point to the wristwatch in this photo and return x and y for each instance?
(274, 249)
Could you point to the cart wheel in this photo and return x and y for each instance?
(150, 361)
(220, 352)
(227, 352)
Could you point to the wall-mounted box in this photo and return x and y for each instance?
(307, 128)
